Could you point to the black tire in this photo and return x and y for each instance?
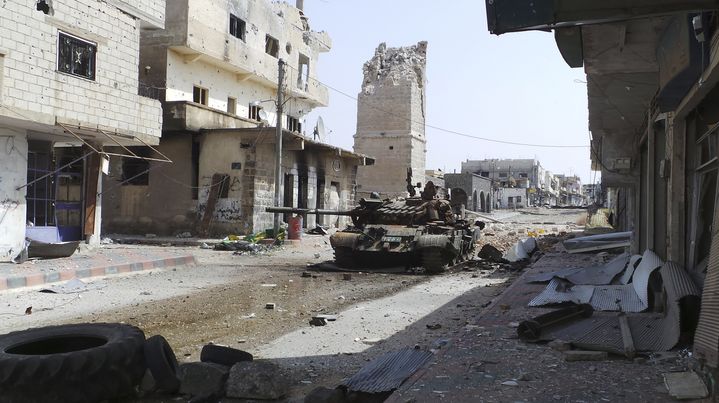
(344, 256)
(222, 355)
(433, 261)
(161, 361)
(71, 363)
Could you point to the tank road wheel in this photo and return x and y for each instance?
(344, 256)
(433, 262)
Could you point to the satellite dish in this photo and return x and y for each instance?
(320, 132)
(262, 115)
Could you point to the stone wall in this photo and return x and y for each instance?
(391, 120)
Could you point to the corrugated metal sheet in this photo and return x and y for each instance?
(617, 298)
(594, 275)
(600, 275)
(559, 291)
(543, 277)
(629, 271)
(387, 372)
(640, 280)
(706, 339)
(598, 242)
(650, 331)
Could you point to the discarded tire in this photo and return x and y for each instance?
(162, 363)
(227, 356)
(71, 363)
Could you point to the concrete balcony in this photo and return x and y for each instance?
(220, 49)
(189, 116)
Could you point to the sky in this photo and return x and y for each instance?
(514, 87)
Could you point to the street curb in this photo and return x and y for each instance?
(39, 278)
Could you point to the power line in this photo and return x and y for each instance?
(457, 133)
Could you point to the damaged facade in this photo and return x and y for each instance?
(652, 73)
(215, 69)
(68, 87)
(391, 120)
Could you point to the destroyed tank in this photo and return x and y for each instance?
(416, 231)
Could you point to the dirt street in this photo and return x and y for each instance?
(223, 300)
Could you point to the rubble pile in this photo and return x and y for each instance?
(392, 65)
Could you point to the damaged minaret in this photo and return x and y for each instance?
(390, 120)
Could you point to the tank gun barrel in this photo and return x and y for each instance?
(306, 211)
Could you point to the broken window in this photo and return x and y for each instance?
(76, 56)
(523, 175)
(293, 124)
(136, 171)
(237, 27)
(519, 199)
(232, 105)
(272, 46)
(199, 95)
(255, 112)
(502, 174)
(484, 173)
(303, 72)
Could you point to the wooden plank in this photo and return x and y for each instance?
(212, 198)
(629, 349)
(92, 174)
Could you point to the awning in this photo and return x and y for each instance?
(113, 137)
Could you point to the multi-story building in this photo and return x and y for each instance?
(215, 68)
(69, 81)
(570, 190)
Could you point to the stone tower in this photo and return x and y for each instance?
(390, 120)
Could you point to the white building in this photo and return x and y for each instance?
(68, 85)
(215, 68)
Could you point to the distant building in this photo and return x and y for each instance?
(475, 189)
(517, 173)
(570, 191)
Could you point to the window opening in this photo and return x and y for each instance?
(237, 27)
(293, 124)
(231, 105)
(303, 75)
(135, 171)
(199, 95)
(272, 46)
(76, 56)
(255, 112)
(40, 196)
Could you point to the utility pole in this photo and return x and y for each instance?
(278, 145)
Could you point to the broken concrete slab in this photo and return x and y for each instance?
(202, 378)
(260, 380)
(685, 385)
